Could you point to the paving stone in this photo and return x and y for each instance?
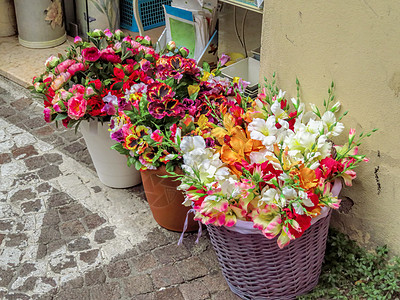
(72, 228)
(171, 253)
(75, 148)
(55, 245)
(170, 293)
(42, 251)
(44, 131)
(74, 283)
(154, 239)
(58, 199)
(67, 263)
(49, 172)
(17, 296)
(166, 276)
(104, 234)
(69, 294)
(209, 259)
(192, 268)
(25, 194)
(44, 188)
(109, 291)
(136, 285)
(72, 211)
(35, 122)
(16, 239)
(215, 282)
(2, 236)
(21, 103)
(6, 225)
(49, 233)
(225, 295)
(194, 290)
(53, 157)
(51, 218)
(95, 277)
(35, 162)
(31, 206)
(24, 152)
(93, 221)
(148, 296)
(26, 178)
(26, 269)
(89, 257)
(29, 284)
(118, 269)
(5, 158)
(144, 262)
(6, 112)
(6, 275)
(79, 244)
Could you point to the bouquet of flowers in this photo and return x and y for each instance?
(153, 116)
(269, 162)
(84, 83)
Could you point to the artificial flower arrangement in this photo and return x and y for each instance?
(152, 117)
(269, 162)
(83, 83)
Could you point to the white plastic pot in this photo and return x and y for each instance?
(110, 166)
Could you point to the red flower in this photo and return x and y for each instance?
(96, 104)
(91, 54)
(97, 84)
(119, 73)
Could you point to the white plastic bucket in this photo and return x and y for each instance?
(110, 166)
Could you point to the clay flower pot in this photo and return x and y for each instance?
(166, 201)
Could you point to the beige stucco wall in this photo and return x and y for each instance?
(357, 45)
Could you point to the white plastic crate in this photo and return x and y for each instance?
(248, 69)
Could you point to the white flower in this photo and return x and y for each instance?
(270, 196)
(263, 130)
(332, 127)
(112, 99)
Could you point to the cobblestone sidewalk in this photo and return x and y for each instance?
(64, 235)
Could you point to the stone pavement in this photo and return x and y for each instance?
(64, 235)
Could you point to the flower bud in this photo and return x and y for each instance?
(119, 34)
(77, 39)
(171, 46)
(96, 33)
(336, 107)
(184, 51)
(51, 62)
(315, 109)
(108, 33)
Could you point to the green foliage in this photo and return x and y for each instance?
(350, 272)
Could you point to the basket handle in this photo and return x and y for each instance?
(135, 5)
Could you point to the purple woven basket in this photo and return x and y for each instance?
(255, 267)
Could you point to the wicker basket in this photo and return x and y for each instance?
(255, 267)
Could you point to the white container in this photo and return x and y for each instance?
(40, 23)
(248, 69)
(110, 166)
(8, 25)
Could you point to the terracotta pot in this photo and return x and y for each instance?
(166, 201)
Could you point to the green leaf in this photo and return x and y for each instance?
(60, 117)
(206, 66)
(118, 86)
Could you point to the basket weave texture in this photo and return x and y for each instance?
(256, 268)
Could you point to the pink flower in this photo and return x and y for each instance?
(108, 33)
(77, 39)
(76, 68)
(47, 114)
(108, 54)
(76, 107)
(57, 107)
(144, 65)
(91, 54)
(89, 91)
(157, 136)
(77, 89)
(224, 59)
(62, 67)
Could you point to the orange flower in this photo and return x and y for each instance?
(307, 178)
